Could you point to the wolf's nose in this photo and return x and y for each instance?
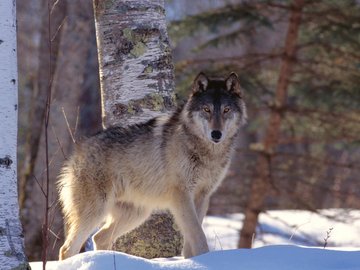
(216, 134)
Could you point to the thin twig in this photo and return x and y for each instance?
(50, 162)
(296, 229)
(328, 234)
(252, 239)
(68, 125)
(218, 240)
(58, 141)
(56, 239)
(54, 234)
(58, 29)
(77, 121)
(40, 186)
(54, 204)
(45, 227)
(53, 6)
(52, 221)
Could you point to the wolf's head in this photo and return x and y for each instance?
(215, 110)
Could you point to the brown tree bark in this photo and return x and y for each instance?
(260, 184)
(77, 39)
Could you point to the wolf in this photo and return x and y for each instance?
(116, 178)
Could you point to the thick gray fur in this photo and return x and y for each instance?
(115, 179)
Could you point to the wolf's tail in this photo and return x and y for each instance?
(65, 186)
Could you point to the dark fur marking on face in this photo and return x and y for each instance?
(217, 95)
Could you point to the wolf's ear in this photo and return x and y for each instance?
(200, 83)
(233, 84)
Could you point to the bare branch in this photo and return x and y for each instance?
(76, 122)
(58, 141)
(68, 125)
(40, 186)
(58, 29)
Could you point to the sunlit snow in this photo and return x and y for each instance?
(291, 240)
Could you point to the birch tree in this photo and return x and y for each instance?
(136, 78)
(11, 238)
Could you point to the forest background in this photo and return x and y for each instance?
(301, 146)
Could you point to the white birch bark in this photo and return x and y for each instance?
(11, 239)
(137, 83)
(136, 71)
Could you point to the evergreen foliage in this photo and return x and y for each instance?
(321, 119)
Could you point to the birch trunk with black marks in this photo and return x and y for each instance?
(11, 238)
(261, 183)
(137, 83)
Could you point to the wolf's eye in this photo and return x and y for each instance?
(226, 110)
(206, 109)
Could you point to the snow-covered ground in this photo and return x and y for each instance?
(283, 240)
(292, 227)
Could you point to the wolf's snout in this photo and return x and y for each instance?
(216, 135)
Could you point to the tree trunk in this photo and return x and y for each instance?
(11, 238)
(136, 77)
(77, 38)
(260, 185)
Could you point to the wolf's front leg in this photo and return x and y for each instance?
(201, 207)
(184, 211)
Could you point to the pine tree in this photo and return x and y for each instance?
(318, 110)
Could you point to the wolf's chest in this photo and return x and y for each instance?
(207, 173)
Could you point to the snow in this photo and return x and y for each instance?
(269, 258)
(293, 227)
(284, 230)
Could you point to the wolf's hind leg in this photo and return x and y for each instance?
(124, 218)
(80, 227)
